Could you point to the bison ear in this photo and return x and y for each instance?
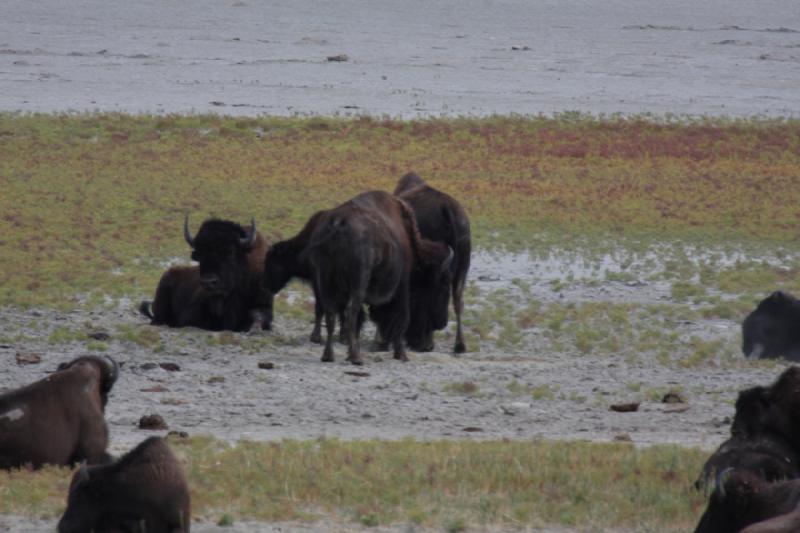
(778, 297)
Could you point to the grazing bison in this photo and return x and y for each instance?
(440, 218)
(742, 498)
(364, 252)
(145, 491)
(285, 260)
(753, 446)
(772, 330)
(225, 291)
(58, 420)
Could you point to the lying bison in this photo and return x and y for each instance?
(364, 252)
(753, 446)
(145, 491)
(285, 260)
(225, 291)
(58, 420)
(742, 498)
(440, 218)
(772, 330)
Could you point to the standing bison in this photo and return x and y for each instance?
(442, 219)
(365, 251)
(225, 291)
(58, 420)
(772, 330)
(145, 491)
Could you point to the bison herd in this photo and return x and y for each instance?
(402, 256)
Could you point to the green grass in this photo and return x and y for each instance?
(92, 204)
(444, 484)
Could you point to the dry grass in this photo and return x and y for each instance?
(436, 484)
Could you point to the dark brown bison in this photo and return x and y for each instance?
(145, 491)
(753, 446)
(285, 260)
(225, 291)
(365, 252)
(442, 219)
(742, 498)
(59, 419)
(772, 330)
(785, 523)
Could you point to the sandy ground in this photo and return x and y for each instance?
(405, 59)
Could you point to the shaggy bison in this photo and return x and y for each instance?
(742, 498)
(225, 291)
(58, 420)
(442, 219)
(753, 445)
(145, 491)
(365, 252)
(772, 330)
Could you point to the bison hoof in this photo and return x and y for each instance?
(357, 362)
(316, 338)
(401, 357)
(460, 347)
(327, 358)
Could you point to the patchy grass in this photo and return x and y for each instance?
(448, 485)
(92, 204)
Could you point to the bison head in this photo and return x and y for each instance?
(108, 368)
(221, 247)
(773, 329)
(279, 266)
(429, 296)
(752, 409)
(84, 504)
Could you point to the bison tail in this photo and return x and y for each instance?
(144, 309)
(424, 250)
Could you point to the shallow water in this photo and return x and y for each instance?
(406, 59)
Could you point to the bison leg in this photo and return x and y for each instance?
(330, 324)
(350, 326)
(458, 307)
(316, 335)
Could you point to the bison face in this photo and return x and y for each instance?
(729, 507)
(221, 247)
(771, 330)
(752, 411)
(429, 299)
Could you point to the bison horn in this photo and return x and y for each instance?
(447, 262)
(186, 234)
(114, 368)
(722, 477)
(83, 472)
(250, 238)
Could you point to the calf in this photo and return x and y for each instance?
(145, 491)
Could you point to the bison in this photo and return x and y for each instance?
(772, 330)
(145, 491)
(285, 260)
(742, 498)
(365, 251)
(440, 218)
(785, 523)
(753, 445)
(58, 420)
(225, 291)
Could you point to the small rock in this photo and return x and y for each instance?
(678, 408)
(155, 388)
(673, 397)
(625, 407)
(172, 401)
(472, 429)
(28, 358)
(170, 367)
(152, 422)
(339, 57)
(178, 434)
(513, 408)
(488, 278)
(266, 365)
(357, 373)
(148, 366)
(623, 437)
(216, 379)
(521, 48)
(367, 415)
(217, 103)
(98, 335)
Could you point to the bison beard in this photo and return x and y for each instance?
(58, 420)
(363, 252)
(225, 291)
(442, 219)
(144, 491)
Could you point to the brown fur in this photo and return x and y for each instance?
(145, 491)
(62, 420)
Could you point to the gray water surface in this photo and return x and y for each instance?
(405, 58)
